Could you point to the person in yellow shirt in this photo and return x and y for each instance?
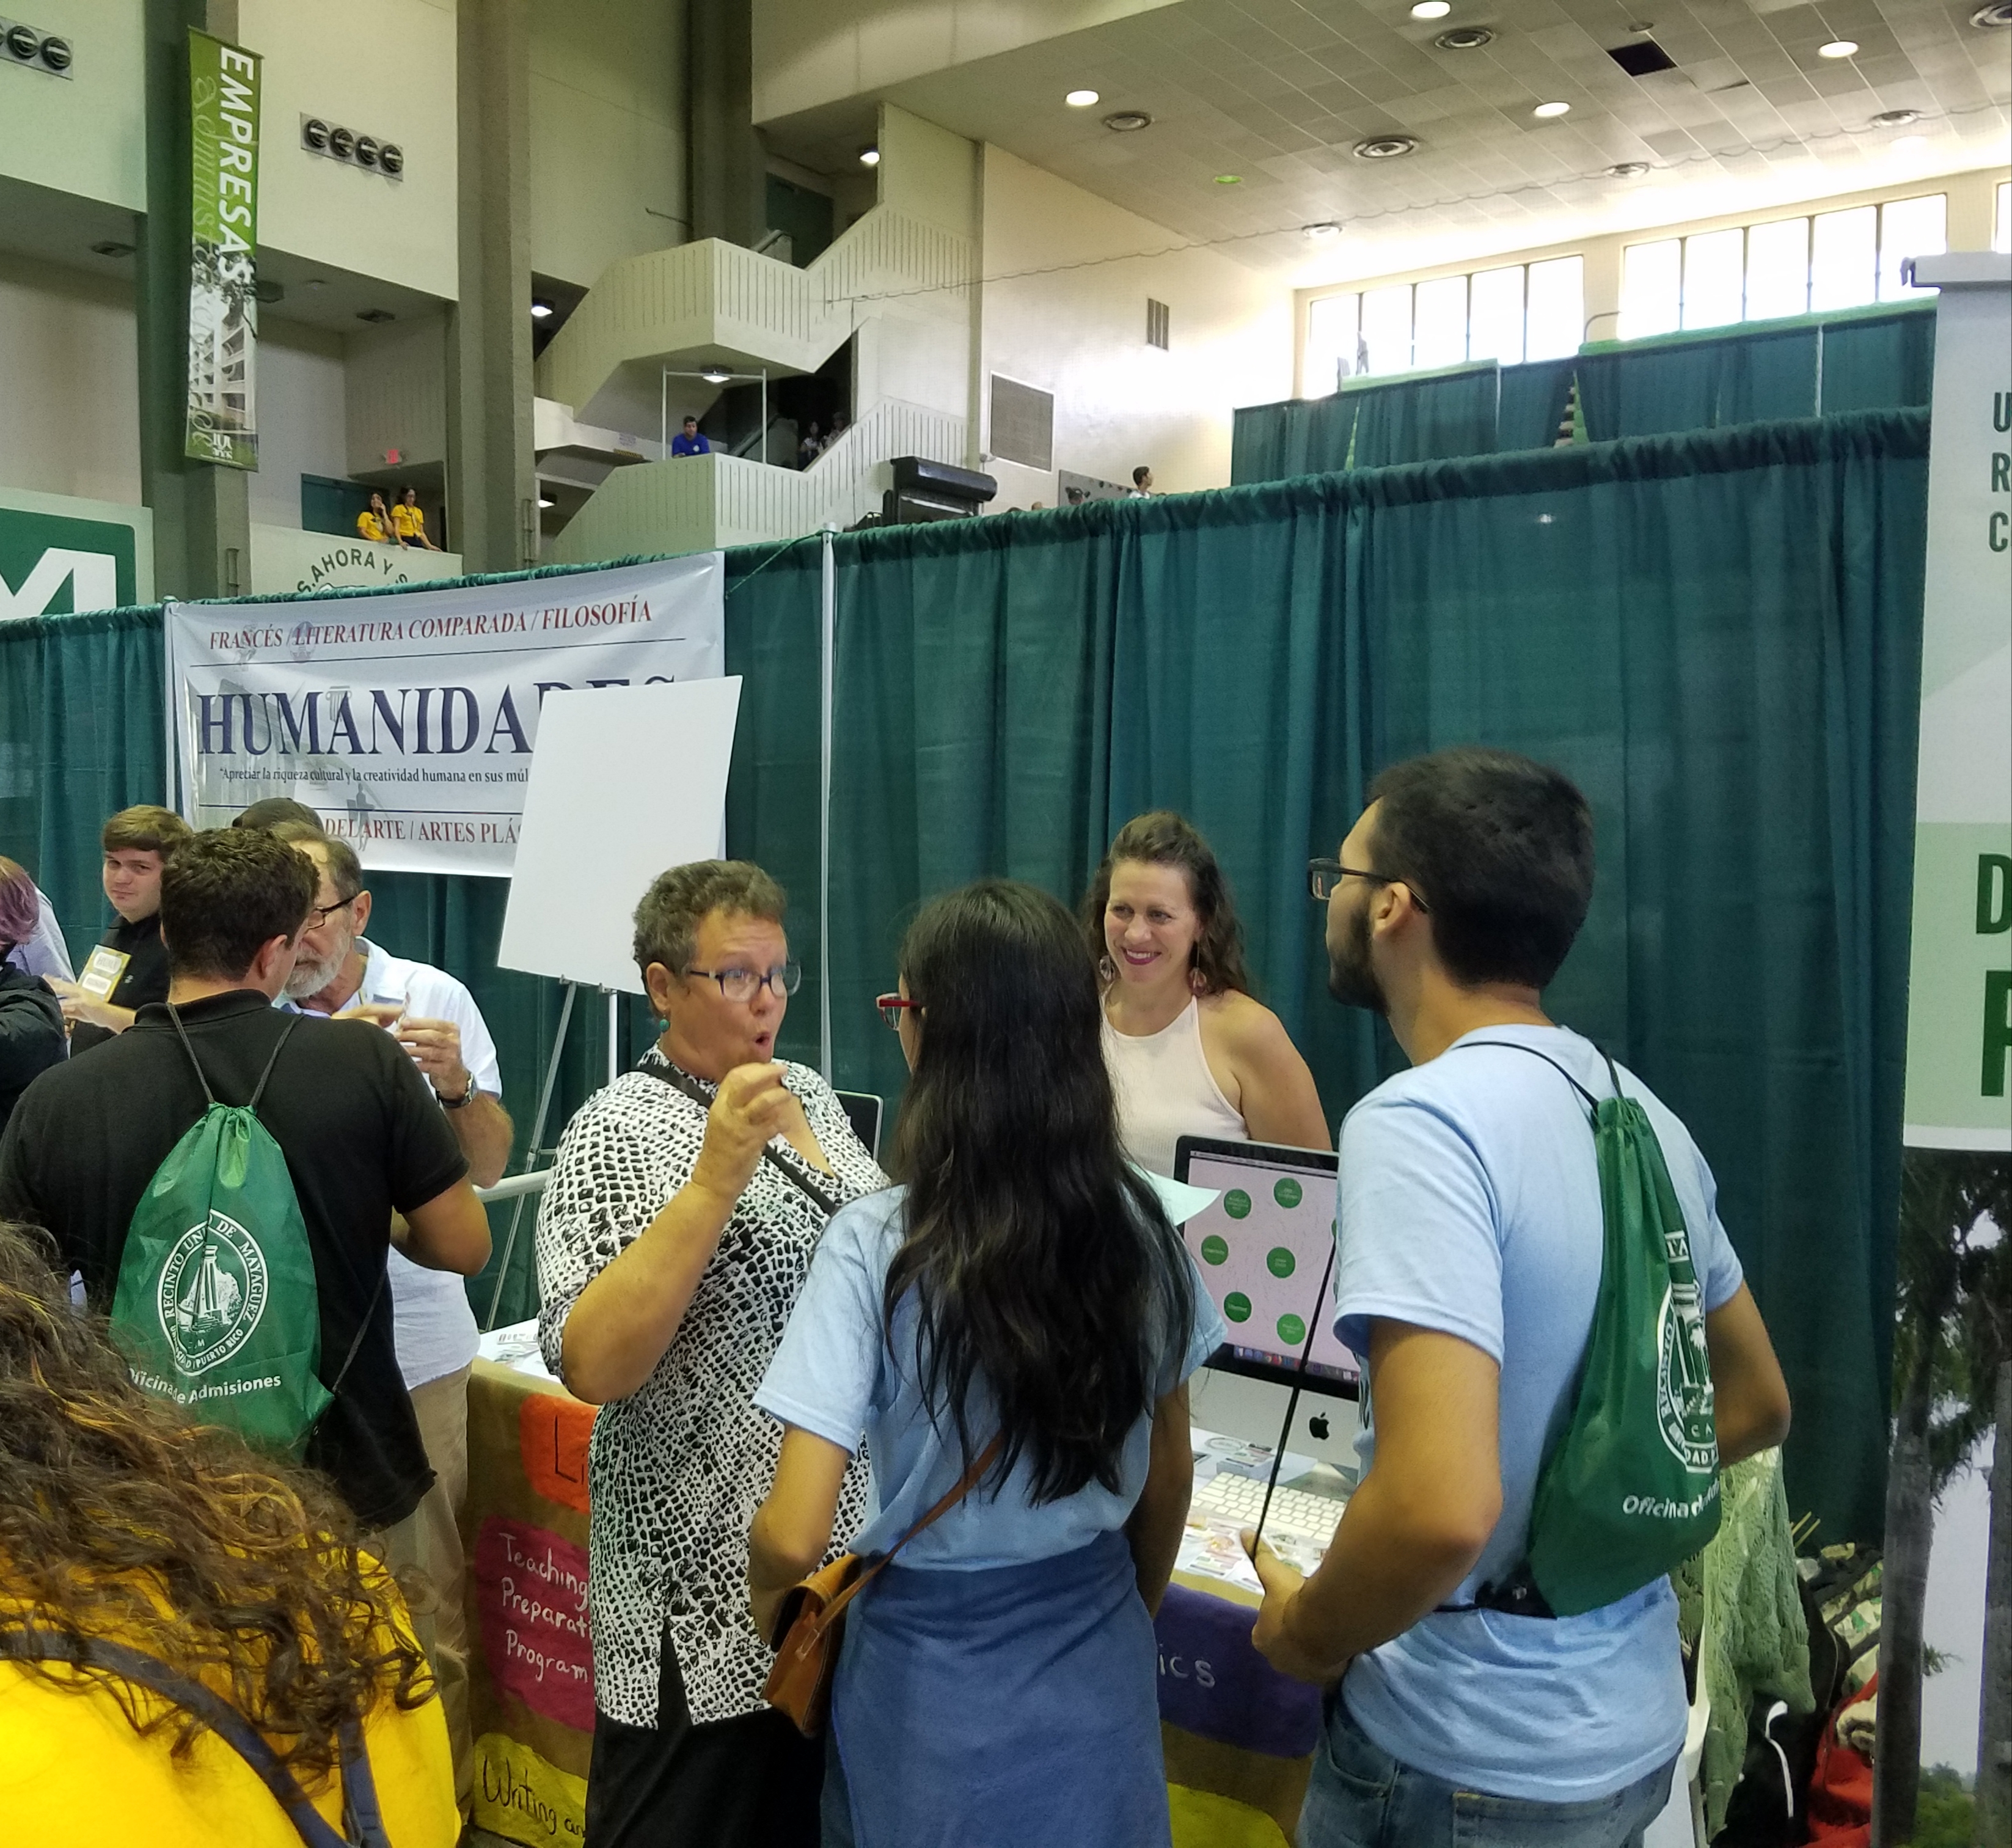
(374, 523)
(186, 1629)
(408, 520)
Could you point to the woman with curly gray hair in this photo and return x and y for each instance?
(673, 1240)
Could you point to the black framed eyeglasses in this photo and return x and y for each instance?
(744, 985)
(1324, 875)
(321, 913)
(893, 1007)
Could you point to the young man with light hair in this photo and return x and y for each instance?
(1470, 1240)
(340, 973)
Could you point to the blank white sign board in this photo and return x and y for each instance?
(625, 783)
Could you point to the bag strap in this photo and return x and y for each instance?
(965, 1483)
(259, 1090)
(695, 1088)
(30, 1643)
(356, 1341)
(1592, 1102)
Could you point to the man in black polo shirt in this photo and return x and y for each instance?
(362, 1137)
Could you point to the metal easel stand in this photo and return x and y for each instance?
(523, 1186)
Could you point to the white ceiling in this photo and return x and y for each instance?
(1278, 92)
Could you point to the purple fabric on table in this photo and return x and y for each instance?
(1213, 1683)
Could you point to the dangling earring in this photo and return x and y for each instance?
(1197, 981)
(1107, 970)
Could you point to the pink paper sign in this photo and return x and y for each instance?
(530, 1589)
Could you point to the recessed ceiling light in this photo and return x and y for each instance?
(1464, 38)
(1838, 47)
(1896, 118)
(541, 311)
(1229, 180)
(714, 375)
(112, 248)
(869, 157)
(317, 281)
(1384, 148)
(1431, 9)
(376, 316)
(1320, 233)
(1546, 112)
(1994, 18)
(1128, 121)
(1628, 170)
(546, 501)
(1080, 99)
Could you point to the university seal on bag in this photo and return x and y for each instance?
(1684, 1399)
(213, 1292)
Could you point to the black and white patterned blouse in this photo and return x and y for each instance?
(676, 1470)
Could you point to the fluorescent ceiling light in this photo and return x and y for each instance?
(1547, 111)
(1838, 47)
(1081, 99)
(1431, 9)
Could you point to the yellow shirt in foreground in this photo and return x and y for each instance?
(73, 1774)
(371, 526)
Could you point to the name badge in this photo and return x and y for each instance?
(102, 971)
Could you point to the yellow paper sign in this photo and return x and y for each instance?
(524, 1798)
(102, 969)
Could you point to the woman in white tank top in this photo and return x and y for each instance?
(1190, 1053)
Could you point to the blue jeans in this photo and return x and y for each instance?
(1361, 1797)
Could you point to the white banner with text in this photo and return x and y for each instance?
(406, 721)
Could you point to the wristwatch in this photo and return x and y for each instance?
(462, 1102)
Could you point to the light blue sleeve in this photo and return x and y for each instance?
(828, 1363)
(1716, 1264)
(1418, 1218)
(1207, 1332)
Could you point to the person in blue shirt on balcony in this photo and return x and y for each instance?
(689, 442)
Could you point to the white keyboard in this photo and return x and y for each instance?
(1229, 1497)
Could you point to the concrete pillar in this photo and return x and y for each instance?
(727, 164)
(492, 491)
(202, 530)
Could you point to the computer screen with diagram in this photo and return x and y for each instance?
(1262, 1248)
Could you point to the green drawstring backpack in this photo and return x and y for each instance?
(216, 1306)
(1631, 1490)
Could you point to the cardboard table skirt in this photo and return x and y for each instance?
(1238, 1735)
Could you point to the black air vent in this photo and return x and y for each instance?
(1642, 58)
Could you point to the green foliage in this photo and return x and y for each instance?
(1945, 1812)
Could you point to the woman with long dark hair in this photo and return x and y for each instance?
(998, 1682)
(1192, 1052)
(185, 1630)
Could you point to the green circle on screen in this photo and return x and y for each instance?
(1236, 1306)
(1214, 1249)
(1279, 1262)
(1236, 1204)
(1292, 1331)
(1288, 1192)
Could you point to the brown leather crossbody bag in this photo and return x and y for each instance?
(811, 1624)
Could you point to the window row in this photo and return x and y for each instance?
(1523, 311)
(1784, 267)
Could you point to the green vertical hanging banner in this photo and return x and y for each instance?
(223, 302)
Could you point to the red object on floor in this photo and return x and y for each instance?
(1841, 1786)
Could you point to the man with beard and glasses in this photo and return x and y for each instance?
(339, 972)
(1470, 1238)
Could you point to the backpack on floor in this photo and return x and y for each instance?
(216, 1306)
(1631, 1490)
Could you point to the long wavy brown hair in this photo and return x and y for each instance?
(120, 1521)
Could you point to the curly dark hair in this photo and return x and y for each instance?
(120, 1522)
(1162, 838)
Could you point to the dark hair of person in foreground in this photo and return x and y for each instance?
(1043, 1262)
(119, 1522)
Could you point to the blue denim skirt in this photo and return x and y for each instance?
(999, 1708)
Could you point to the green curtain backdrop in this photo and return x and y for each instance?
(1716, 633)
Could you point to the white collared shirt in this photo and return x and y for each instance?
(436, 1332)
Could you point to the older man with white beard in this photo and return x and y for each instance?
(339, 972)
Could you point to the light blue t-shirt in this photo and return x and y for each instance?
(1470, 1205)
(834, 1375)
